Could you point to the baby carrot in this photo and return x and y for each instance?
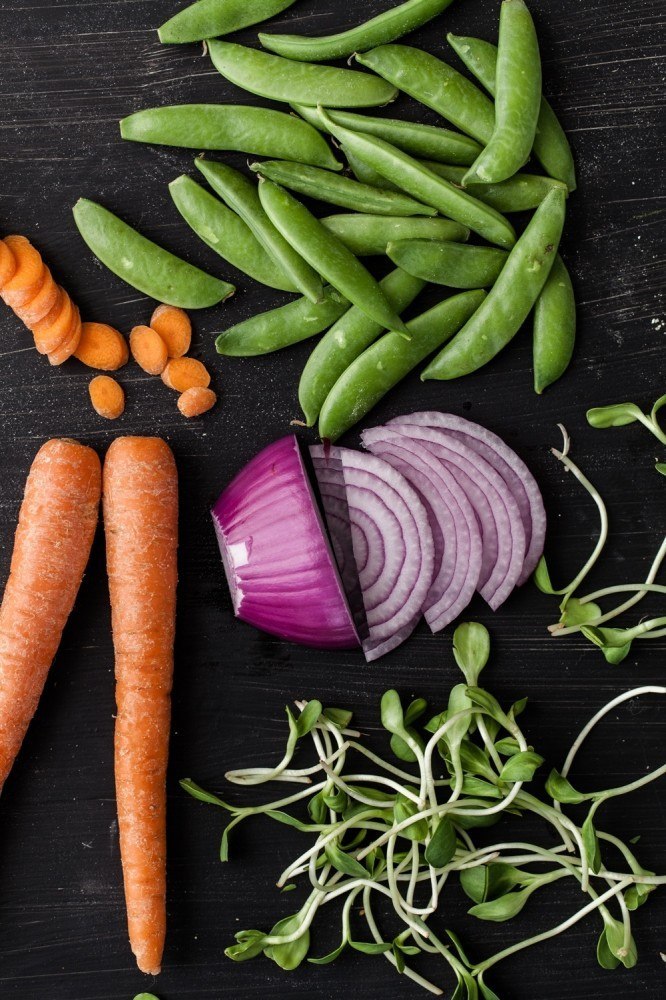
(102, 346)
(197, 400)
(53, 539)
(141, 524)
(175, 329)
(182, 374)
(148, 350)
(107, 397)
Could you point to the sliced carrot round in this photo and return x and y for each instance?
(7, 263)
(107, 397)
(19, 297)
(68, 346)
(29, 264)
(175, 329)
(148, 350)
(41, 303)
(50, 334)
(182, 374)
(102, 346)
(197, 400)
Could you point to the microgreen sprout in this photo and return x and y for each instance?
(379, 831)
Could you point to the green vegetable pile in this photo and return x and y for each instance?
(379, 832)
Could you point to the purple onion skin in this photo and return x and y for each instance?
(276, 555)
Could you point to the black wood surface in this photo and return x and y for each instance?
(69, 69)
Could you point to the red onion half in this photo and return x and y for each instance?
(277, 558)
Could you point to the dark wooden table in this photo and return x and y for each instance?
(68, 71)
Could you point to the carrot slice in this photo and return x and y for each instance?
(141, 524)
(29, 264)
(53, 330)
(182, 374)
(107, 397)
(103, 347)
(148, 350)
(53, 539)
(7, 263)
(197, 400)
(68, 346)
(41, 303)
(175, 329)
(17, 297)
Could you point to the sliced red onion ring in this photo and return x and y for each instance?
(395, 576)
(277, 558)
(456, 534)
(511, 468)
(502, 529)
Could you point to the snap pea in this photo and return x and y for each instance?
(346, 339)
(242, 196)
(421, 183)
(258, 131)
(336, 190)
(437, 85)
(389, 360)
(145, 265)
(384, 28)
(517, 97)
(520, 193)
(271, 331)
(425, 141)
(512, 296)
(327, 254)
(366, 235)
(226, 233)
(453, 264)
(554, 327)
(283, 80)
(212, 18)
(365, 174)
(551, 146)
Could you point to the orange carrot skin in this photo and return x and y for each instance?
(141, 524)
(52, 544)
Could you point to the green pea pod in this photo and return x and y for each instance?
(551, 146)
(437, 85)
(385, 27)
(366, 174)
(327, 254)
(520, 193)
(517, 97)
(336, 190)
(444, 263)
(348, 338)
(389, 360)
(241, 194)
(226, 233)
(283, 80)
(271, 331)
(145, 265)
(421, 183)
(236, 127)
(367, 235)
(511, 298)
(425, 141)
(554, 327)
(212, 18)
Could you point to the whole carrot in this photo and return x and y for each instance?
(141, 524)
(55, 532)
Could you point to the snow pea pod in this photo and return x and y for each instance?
(444, 263)
(425, 141)
(384, 28)
(554, 327)
(520, 193)
(437, 85)
(257, 131)
(271, 331)
(336, 190)
(551, 146)
(283, 80)
(421, 183)
(212, 18)
(226, 233)
(327, 254)
(517, 97)
(512, 296)
(242, 196)
(366, 235)
(389, 360)
(346, 339)
(145, 265)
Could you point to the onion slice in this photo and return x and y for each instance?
(277, 558)
(391, 541)
(455, 529)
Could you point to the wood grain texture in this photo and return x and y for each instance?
(69, 69)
